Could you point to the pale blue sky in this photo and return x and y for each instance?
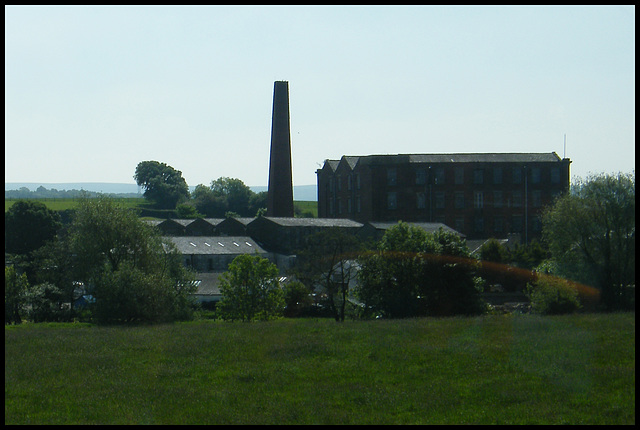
(92, 91)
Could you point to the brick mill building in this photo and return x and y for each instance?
(481, 195)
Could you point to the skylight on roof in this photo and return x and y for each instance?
(192, 244)
(220, 244)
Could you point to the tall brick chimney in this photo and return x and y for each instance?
(280, 193)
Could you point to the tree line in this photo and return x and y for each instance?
(586, 256)
(165, 188)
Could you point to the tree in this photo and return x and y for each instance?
(327, 265)
(250, 290)
(164, 185)
(208, 203)
(228, 195)
(28, 225)
(236, 193)
(415, 273)
(15, 290)
(297, 299)
(591, 236)
(134, 275)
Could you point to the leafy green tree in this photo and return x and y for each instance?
(250, 290)
(510, 270)
(54, 263)
(236, 193)
(415, 273)
(228, 195)
(327, 265)
(163, 185)
(15, 290)
(591, 236)
(208, 203)
(258, 203)
(135, 276)
(28, 225)
(553, 296)
(297, 299)
(187, 211)
(44, 303)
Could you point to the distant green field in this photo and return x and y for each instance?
(307, 206)
(63, 204)
(500, 369)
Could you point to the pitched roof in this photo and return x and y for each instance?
(215, 245)
(314, 222)
(512, 157)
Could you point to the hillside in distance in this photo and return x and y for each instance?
(300, 192)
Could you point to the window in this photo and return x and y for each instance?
(459, 224)
(478, 176)
(439, 200)
(536, 175)
(516, 199)
(497, 175)
(421, 176)
(358, 204)
(497, 199)
(555, 175)
(459, 199)
(478, 198)
(391, 176)
(536, 196)
(516, 224)
(498, 224)
(421, 200)
(458, 175)
(349, 208)
(350, 182)
(439, 176)
(478, 224)
(517, 175)
(358, 181)
(392, 202)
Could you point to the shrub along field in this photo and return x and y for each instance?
(138, 203)
(500, 369)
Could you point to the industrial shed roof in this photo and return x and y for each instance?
(207, 245)
(314, 222)
(515, 157)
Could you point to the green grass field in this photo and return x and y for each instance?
(62, 204)
(501, 369)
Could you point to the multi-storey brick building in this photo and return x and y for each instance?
(480, 195)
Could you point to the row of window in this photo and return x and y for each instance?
(497, 224)
(499, 200)
(436, 176)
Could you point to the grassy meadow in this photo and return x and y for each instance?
(499, 369)
(64, 204)
(132, 202)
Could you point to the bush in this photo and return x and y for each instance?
(250, 290)
(553, 296)
(297, 299)
(130, 295)
(44, 303)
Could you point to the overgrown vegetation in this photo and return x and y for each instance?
(506, 369)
